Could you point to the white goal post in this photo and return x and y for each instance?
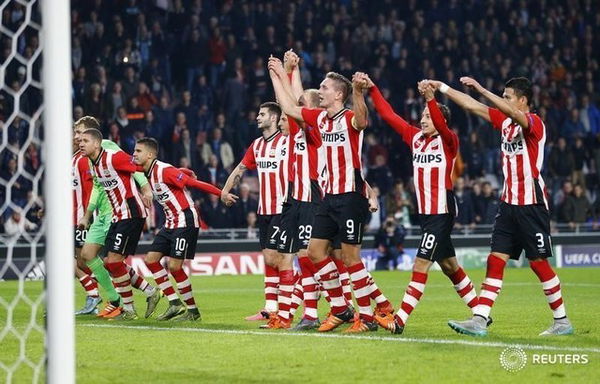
(56, 80)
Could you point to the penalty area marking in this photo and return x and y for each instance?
(469, 343)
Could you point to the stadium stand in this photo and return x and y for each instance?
(192, 74)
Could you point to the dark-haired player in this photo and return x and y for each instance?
(434, 149)
(178, 238)
(268, 155)
(523, 220)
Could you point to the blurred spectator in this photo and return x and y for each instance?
(473, 155)
(215, 214)
(20, 185)
(488, 204)
(114, 100)
(213, 173)
(145, 98)
(464, 201)
(244, 206)
(575, 208)
(220, 148)
(16, 224)
(398, 204)
(185, 147)
(561, 163)
(589, 115)
(580, 160)
(389, 241)
(216, 51)
(380, 175)
(251, 229)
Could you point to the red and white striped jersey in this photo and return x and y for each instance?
(342, 145)
(114, 171)
(522, 158)
(82, 185)
(432, 157)
(168, 187)
(306, 159)
(269, 157)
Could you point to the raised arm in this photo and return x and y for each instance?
(291, 63)
(385, 110)
(359, 107)
(283, 95)
(463, 100)
(499, 102)
(439, 122)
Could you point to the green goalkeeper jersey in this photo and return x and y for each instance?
(99, 198)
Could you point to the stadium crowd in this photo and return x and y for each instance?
(193, 73)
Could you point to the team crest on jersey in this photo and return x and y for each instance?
(272, 152)
(106, 173)
(418, 144)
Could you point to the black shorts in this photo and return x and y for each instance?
(295, 225)
(344, 215)
(123, 236)
(80, 235)
(268, 230)
(522, 227)
(179, 243)
(436, 243)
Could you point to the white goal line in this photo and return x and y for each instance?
(400, 339)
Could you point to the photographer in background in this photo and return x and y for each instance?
(389, 241)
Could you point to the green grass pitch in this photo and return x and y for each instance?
(223, 348)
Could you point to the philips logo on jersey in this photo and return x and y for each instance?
(300, 146)
(264, 164)
(109, 184)
(333, 137)
(163, 196)
(427, 158)
(512, 147)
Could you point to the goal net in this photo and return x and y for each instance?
(28, 205)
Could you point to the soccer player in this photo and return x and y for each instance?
(98, 230)
(434, 148)
(268, 155)
(345, 206)
(523, 220)
(114, 171)
(82, 188)
(179, 236)
(299, 205)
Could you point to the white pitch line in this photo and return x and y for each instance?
(484, 344)
(429, 286)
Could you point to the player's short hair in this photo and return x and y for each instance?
(150, 143)
(95, 133)
(341, 84)
(273, 108)
(445, 112)
(522, 87)
(310, 98)
(89, 122)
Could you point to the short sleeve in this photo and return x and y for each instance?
(249, 160)
(496, 117)
(311, 116)
(536, 126)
